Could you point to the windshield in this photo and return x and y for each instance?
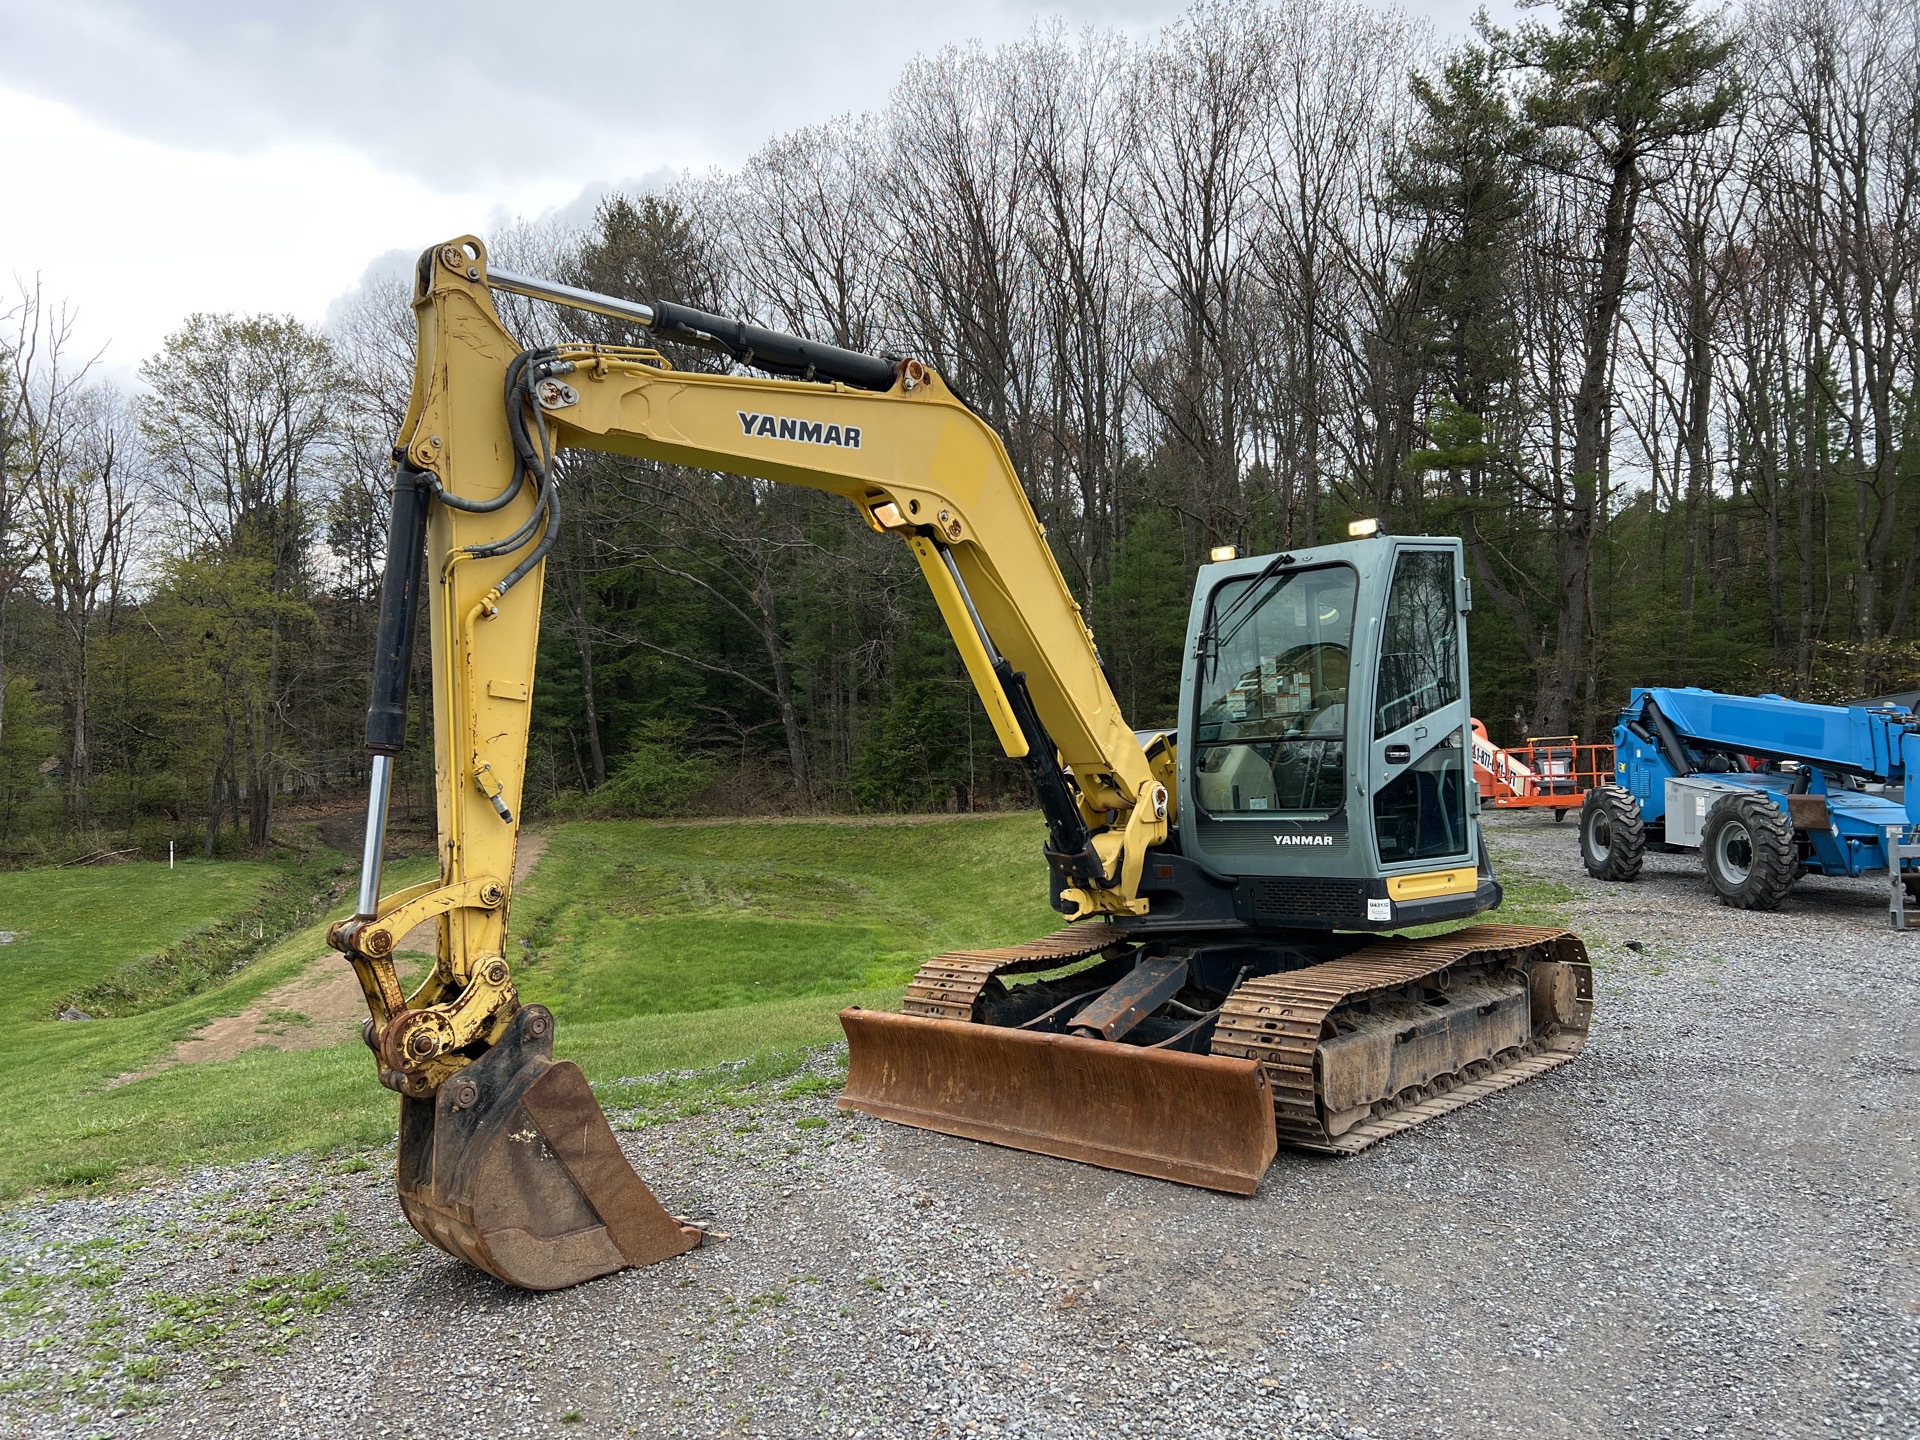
(1272, 727)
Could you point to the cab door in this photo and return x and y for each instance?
(1421, 749)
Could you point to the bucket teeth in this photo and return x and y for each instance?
(512, 1167)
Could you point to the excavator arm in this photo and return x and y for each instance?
(477, 504)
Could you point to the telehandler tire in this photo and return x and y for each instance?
(1748, 845)
(1613, 837)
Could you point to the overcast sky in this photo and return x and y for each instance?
(256, 155)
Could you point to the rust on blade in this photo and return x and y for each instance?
(1197, 1119)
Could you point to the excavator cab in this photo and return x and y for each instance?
(1326, 695)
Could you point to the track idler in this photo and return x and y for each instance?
(512, 1167)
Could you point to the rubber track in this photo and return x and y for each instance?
(947, 986)
(1280, 1020)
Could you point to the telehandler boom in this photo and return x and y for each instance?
(1222, 985)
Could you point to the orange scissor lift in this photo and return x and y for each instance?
(1549, 772)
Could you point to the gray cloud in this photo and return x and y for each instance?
(577, 213)
(492, 92)
(393, 269)
(386, 272)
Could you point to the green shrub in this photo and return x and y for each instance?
(661, 775)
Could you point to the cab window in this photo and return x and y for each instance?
(1419, 642)
(1421, 814)
(1271, 731)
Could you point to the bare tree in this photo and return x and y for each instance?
(39, 416)
(84, 500)
(1200, 111)
(1068, 100)
(1841, 88)
(811, 242)
(1337, 68)
(959, 281)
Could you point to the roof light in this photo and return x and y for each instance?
(1222, 552)
(1363, 529)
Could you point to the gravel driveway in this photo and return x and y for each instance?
(1705, 1226)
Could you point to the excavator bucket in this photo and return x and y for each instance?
(513, 1168)
(1198, 1119)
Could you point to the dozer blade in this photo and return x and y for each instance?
(513, 1168)
(1199, 1119)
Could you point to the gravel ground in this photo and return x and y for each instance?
(1705, 1226)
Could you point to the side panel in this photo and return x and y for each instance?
(1639, 768)
(1910, 768)
(1689, 799)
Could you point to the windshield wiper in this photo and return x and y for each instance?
(1211, 635)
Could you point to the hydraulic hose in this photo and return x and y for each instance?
(1678, 756)
(551, 498)
(528, 458)
(515, 368)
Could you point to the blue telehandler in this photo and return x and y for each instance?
(1767, 789)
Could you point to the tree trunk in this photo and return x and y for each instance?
(80, 760)
(782, 681)
(222, 773)
(590, 710)
(1699, 391)
(1591, 403)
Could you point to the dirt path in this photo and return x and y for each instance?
(321, 1006)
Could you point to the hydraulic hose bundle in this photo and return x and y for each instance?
(414, 489)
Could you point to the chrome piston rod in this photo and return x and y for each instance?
(570, 296)
(378, 791)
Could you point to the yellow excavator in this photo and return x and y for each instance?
(1223, 983)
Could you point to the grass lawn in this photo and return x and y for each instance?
(660, 947)
(678, 946)
(73, 927)
(63, 1124)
